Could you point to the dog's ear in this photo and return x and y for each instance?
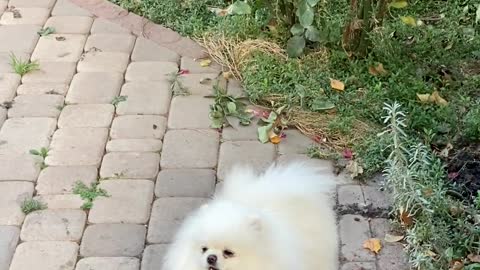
(255, 222)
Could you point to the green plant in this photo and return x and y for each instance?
(225, 106)
(88, 194)
(176, 86)
(42, 153)
(472, 124)
(30, 205)
(46, 31)
(22, 67)
(118, 99)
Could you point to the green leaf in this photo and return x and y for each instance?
(34, 152)
(239, 8)
(312, 34)
(321, 104)
(399, 4)
(232, 108)
(263, 133)
(305, 15)
(295, 46)
(297, 29)
(272, 117)
(216, 122)
(477, 15)
(312, 3)
(46, 31)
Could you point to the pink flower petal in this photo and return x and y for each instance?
(452, 175)
(347, 153)
(183, 72)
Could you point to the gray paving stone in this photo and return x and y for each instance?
(61, 201)
(111, 43)
(18, 38)
(59, 48)
(138, 127)
(141, 165)
(61, 179)
(86, 115)
(30, 4)
(13, 195)
(252, 153)
(375, 197)
(199, 84)
(67, 8)
(359, 266)
(235, 88)
(167, 216)
(45, 255)
(392, 257)
(103, 61)
(190, 149)
(150, 71)
(9, 236)
(185, 183)
(70, 24)
(294, 143)
(20, 135)
(104, 26)
(36, 106)
(129, 201)
(195, 67)
(323, 164)
(134, 145)
(189, 112)
(77, 147)
(237, 132)
(108, 263)
(350, 195)
(51, 72)
(42, 89)
(22, 167)
(94, 88)
(8, 84)
(30, 15)
(354, 231)
(54, 225)
(5, 58)
(3, 116)
(153, 256)
(145, 98)
(113, 240)
(147, 50)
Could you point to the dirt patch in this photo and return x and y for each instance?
(364, 210)
(463, 167)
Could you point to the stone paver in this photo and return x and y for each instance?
(51, 72)
(8, 84)
(67, 8)
(53, 225)
(36, 106)
(111, 43)
(5, 59)
(59, 48)
(42, 88)
(185, 183)
(138, 127)
(294, 143)
(20, 135)
(147, 50)
(113, 240)
(86, 115)
(61, 201)
(30, 15)
(45, 255)
(145, 98)
(354, 231)
(3, 116)
(13, 195)
(134, 145)
(9, 236)
(153, 256)
(199, 84)
(108, 263)
(195, 67)
(23, 167)
(70, 24)
(142, 165)
(123, 204)
(150, 71)
(350, 195)
(28, 3)
(94, 88)
(189, 112)
(19, 38)
(103, 26)
(101, 61)
(61, 179)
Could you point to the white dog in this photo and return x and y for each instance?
(281, 220)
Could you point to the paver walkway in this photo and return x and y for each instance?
(102, 104)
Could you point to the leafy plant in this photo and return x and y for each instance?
(46, 31)
(118, 99)
(177, 88)
(43, 153)
(22, 67)
(88, 194)
(225, 106)
(270, 128)
(305, 29)
(30, 205)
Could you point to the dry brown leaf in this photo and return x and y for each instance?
(456, 265)
(393, 238)
(474, 258)
(405, 218)
(373, 244)
(377, 70)
(275, 139)
(205, 62)
(354, 168)
(337, 85)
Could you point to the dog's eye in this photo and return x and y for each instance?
(204, 249)
(228, 253)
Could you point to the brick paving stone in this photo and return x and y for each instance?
(325, 165)
(108, 263)
(54, 225)
(392, 257)
(42, 89)
(138, 127)
(167, 216)
(235, 88)
(354, 230)
(134, 145)
(36, 106)
(129, 201)
(70, 24)
(189, 112)
(8, 84)
(18, 38)
(150, 71)
(94, 88)
(190, 149)
(103, 26)
(359, 266)
(51, 72)
(142, 165)
(237, 132)
(103, 61)
(375, 197)
(77, 147)
(61, 179)
(3, 116)
(195, 67)
(185, 183)
(22, 167)
(45, 255)
(30, 4)
(294, 143)
(5, 59)
(252, 153)
(61, 201)
(36, 16)
(113, 240)
(350, 195)
(111, 43)
(153, 256)
(199, 84)
(59, 48)
(13, 195)
(147, 50)
(86, 115)
(9, 236)
(145, 98)
(67, 8)
(20, 135)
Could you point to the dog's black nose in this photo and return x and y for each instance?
(212, 259)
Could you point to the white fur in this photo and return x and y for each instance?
(280, 220)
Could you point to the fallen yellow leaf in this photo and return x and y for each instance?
(399, 4)
(377, 70)
(409, 20)
(354, 168)
(337, 85)
(424, 98)
(373, 244)
(438, 99)
(393, 238)
(205, 62)
(275, 140)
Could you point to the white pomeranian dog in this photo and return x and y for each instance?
(280, 220)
